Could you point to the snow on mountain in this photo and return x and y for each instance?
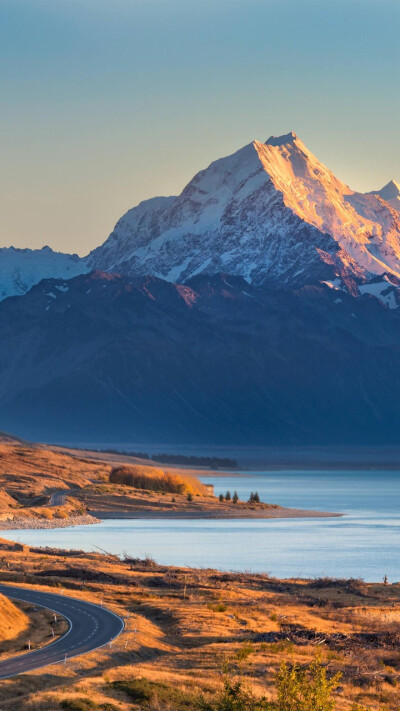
(383, 290)
(138, 226)
(269, 212)
(229, 218)
(20, 269)
(364, 226)
(391, 194)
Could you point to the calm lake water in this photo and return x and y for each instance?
(365, 542)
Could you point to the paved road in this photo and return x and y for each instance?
(90, 627)
(58, 497)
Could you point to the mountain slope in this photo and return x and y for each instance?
(229, 218)
(391, 194)
(271, 212)
(20, 269)
(216, 360)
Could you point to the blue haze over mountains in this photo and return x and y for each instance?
(258, 307)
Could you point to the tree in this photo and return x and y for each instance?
(235, 497)
(228, 496)
(221, 497)
(256, 497)
(299, 690)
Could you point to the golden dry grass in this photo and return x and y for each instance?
(183, 626)
(30, 473)
(36, 631)
(12, 620)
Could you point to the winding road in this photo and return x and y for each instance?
(90, 627)
(58, 497)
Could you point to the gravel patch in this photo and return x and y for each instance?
(36, 523)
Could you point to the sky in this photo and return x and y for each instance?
(105, 103)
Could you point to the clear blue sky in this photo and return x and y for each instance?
(108, 102)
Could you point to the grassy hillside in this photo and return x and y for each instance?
(12, 620)
(28, 472)
(191, 632)
(31, 473)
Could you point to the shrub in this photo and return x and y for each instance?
(61, 513)
(79, 704)
(150, 694)
(218, 607)
(235, 697)
(44, 513)
(245, 651)
(190, 496)
(299, 690)
(154, 479)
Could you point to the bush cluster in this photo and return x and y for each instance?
(297, 690)
(148, 478)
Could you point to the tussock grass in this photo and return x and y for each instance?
(180, 652)
(12, 620)
(155, 695)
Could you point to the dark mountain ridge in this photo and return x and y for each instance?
(105, 357)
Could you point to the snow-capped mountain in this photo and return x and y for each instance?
(391, 194)
(261, 305)
(271, 212)
(20, 269)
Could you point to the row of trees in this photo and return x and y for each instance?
(254, 497)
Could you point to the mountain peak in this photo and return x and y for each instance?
(390, 190)
(290, 137)
(390, 193)
(266, 212)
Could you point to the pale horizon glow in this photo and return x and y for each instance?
(106, 103)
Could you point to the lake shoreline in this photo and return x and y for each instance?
(35, 523)
(96, 517)
(278, 512)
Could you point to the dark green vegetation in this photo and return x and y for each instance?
(183, 459)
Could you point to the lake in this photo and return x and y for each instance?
(363, 543)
